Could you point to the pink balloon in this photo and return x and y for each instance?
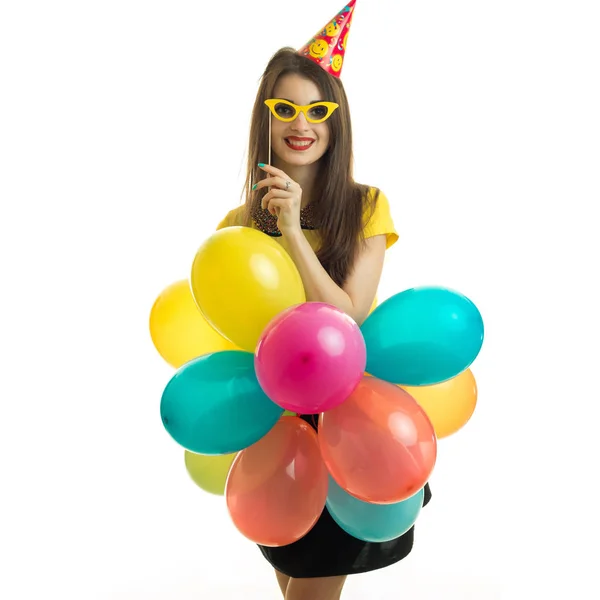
(310, 358)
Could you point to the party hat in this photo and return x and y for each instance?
(328, 46)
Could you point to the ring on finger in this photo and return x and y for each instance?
(287, 185)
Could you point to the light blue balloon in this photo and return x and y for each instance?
(422, 336)
(215, 405)
(372, 522)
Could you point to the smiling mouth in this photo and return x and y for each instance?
(299, 144)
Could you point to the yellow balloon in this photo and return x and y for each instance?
(179, 331)
(373, 306)
(209, 472)
(450, 404)
(241, 278)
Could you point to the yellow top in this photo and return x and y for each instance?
(380, 223)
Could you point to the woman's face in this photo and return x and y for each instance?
(298, 142)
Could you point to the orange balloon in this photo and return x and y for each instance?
(450, 404)
(379, 444)
(276, 489)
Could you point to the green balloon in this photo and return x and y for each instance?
(209, 472)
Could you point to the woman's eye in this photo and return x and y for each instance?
(318, 112)
(283, 110)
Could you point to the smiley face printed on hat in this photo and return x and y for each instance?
(318, 49)
(341, 44)
(336, 62)
(332, 29)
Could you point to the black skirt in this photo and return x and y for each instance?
(327, 550)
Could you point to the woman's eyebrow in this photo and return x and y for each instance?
(311, 102)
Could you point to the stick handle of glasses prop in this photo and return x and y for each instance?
(269, 157)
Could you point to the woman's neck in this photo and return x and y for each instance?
(305, 176)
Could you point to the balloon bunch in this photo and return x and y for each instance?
(251, 354)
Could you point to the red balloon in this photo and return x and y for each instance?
(379, 445)
(276, 488)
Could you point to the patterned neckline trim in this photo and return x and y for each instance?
(267, 223)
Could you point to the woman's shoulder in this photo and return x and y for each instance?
(372, 195)
(375, 203)
(235, 217)
(377, 215)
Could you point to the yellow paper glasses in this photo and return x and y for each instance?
(287, 111)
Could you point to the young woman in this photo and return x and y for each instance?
(300, 190)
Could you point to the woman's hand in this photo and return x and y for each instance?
(284, 199)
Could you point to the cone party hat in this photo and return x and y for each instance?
(328, 47)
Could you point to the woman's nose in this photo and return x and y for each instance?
(300, 123)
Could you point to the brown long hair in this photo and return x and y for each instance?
(339, 202)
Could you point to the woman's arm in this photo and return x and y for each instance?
(358, 293)
(284, 199)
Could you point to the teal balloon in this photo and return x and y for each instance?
(215, 405)
(422, 336)
(372, 522)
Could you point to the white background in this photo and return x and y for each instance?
(123, 127)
